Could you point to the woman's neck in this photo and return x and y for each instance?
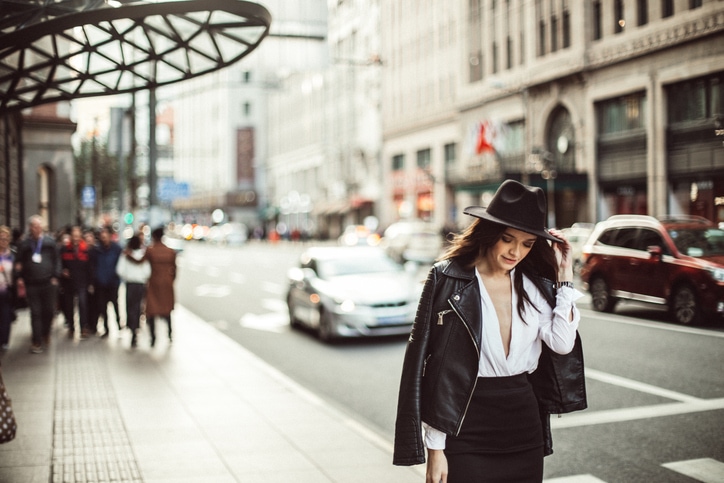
(487, 271)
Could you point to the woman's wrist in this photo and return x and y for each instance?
(564, 283)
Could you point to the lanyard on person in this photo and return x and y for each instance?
(36, 252)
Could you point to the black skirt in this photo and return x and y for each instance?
(501, 439)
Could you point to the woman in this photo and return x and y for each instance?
(484, 318)
(7, 260)
(135, 274)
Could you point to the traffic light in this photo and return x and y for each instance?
(128, 218)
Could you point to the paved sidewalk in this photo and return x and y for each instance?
(202, 409)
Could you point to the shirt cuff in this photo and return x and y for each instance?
(434, 438)
(568, 295)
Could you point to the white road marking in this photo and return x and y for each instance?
(652, 325)
(274, 305)
(272, 322)
(574, 479)
(639, 386)
(213, 271)
(274, 288)
(214, 291)
(237, 277)
(706, 470)
(585, 418)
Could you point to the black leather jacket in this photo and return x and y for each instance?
(440, 368)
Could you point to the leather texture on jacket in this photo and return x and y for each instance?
(440, 368)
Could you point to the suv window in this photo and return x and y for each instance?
(649, 238)
(626, 237)
(698, 242)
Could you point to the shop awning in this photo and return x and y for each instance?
(53, 50)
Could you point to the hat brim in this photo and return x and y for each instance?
(480, 212)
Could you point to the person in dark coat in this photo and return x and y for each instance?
(479, 333)
(160, 293)
(75, 258)
(38, 266)
(104, 259)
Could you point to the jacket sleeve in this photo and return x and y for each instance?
(409, 448)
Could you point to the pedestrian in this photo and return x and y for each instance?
(38, 266)
(7, 284)
(75, 258)
(134, 271)
(104, 259)
(160, 297)
(89, 237)
(485, 320)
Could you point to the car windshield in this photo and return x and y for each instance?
(698, 242)
(356, 265)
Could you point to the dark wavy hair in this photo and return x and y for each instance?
(475, 241)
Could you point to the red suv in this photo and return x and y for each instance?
(676, 261)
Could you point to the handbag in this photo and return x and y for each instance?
(8, 425)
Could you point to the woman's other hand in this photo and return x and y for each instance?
(436, 466)
(564, 258)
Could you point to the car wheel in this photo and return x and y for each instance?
(325, 331)
(601, 298)
(684, 307)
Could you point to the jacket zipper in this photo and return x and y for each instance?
(424, 365)
(440, 315)
(470, 398)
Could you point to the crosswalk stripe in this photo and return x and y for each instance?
(706, 470)
(575, 479)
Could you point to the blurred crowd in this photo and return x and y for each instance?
(77, 273)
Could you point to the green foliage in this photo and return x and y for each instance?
(106, 172)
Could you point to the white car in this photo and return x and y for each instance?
(352, 292)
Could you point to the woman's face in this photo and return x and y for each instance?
(512, 247)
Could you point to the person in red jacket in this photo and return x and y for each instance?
(75, 260)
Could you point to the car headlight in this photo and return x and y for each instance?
(347, 306)
(717, 274)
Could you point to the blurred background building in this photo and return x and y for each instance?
(357, 111)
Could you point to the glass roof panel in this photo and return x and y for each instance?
(61, 49)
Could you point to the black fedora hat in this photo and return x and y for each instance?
(517, 206)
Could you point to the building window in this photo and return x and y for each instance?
(554, 33)
(247, 109)
(522, 48)
(398, 162)
(423, 159)
(622, 114)
(566, 29)
(667, 8)
(642, 7)
(475, 29)
(495, 57)
(697, 99)
(450, 154)
(246, 77)
(694, 4)
(509, 53)
(597, 20)
(618, 16)
(541, 38)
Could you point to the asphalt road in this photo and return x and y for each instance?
(656, 390)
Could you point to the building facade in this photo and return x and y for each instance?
(221, 120)
(325, 130)
(617, 113)
(37, 167)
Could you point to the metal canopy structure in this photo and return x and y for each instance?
(53, 50)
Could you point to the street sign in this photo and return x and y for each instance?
(88, 197)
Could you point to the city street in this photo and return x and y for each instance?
(655, 389)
